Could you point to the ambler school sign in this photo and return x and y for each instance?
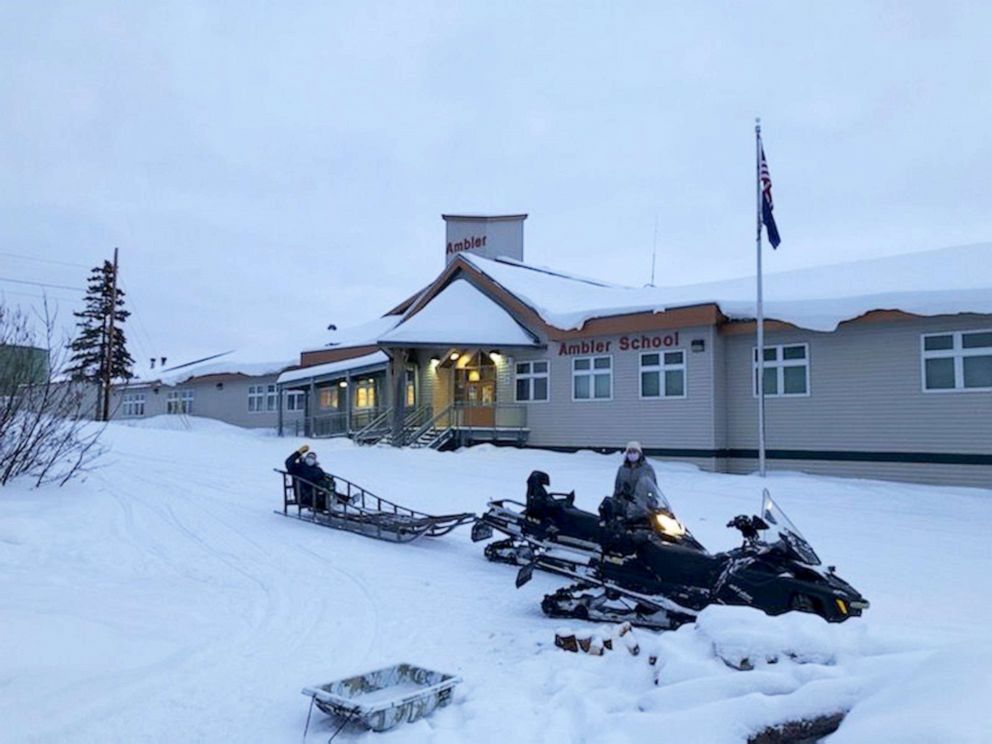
(624, 343)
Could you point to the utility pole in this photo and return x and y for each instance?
(108, 358)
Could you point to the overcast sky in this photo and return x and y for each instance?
(269, 168)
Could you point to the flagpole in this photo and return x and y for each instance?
(760, 305)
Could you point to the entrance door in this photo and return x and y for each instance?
(475, 391)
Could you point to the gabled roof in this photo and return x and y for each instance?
(460, 315)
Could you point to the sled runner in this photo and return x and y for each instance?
(343, 505)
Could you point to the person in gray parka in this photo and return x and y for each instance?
(637, 502)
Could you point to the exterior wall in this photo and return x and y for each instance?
(866, 396)
(491, 237)
(680, 427)
(976, 476)
(222, 399)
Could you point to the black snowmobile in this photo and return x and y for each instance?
(659, 576)
(549, 532)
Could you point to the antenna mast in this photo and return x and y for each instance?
(654, 249)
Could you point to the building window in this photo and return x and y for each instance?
(365, 394)
(134, 404)
(532, 381)
(295, 400)
(262, 398)
(957, 361)
(663, 375)
(786, 370)
(179, 401)
(592, 378)
(328, 397)
(411, 388)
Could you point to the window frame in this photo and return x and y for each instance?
(366, 385)
(591, 374)
(779, 364)
(957, 353)
(530, 377)
(268, 396)
(184, 398)
(660, 369)
(296, 395)
(130, 401)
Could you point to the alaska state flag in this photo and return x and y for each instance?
(766, 203)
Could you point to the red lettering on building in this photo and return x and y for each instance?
(466, 244)
(585, 347)
(625, 343)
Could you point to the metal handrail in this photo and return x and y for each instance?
(429, 425)
(414, 417)
(460, 408)
(374, 425)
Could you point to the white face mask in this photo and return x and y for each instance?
(633, 456)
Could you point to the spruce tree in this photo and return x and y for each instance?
(99, 352)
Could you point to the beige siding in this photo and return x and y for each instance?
(684, 423)
(866, 395)
(226, 401)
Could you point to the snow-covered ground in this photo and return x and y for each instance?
(162, 600)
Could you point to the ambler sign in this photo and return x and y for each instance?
(466, 244)
(624, 343)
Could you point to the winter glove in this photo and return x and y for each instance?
(303, 450)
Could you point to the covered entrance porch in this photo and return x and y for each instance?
(458, 347)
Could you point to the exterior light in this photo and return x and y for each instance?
(435, 359)
(454, 356)
(495, 356)
(698, 344)
(343, 383)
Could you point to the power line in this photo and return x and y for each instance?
(43, 260)
(137, 316)
(40, 296)
(41, 284)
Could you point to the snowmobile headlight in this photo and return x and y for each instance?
(841, 605)
(669, 525)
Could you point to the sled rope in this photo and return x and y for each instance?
(306, 728)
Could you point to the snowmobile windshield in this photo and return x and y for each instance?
(657, 509)
(647, 492)
(782, 530)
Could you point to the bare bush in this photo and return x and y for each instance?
(45, 434)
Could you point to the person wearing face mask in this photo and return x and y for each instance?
(631, 471)
(302, 464)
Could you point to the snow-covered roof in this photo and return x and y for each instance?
(938, 282)
(366, 363)
(461, 315)
(364, 334)
(227, 363)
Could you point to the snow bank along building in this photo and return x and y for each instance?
(237, 392)
(881, 368)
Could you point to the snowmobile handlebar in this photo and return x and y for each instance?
(748, 526)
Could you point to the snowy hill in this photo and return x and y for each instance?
(162, 600)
